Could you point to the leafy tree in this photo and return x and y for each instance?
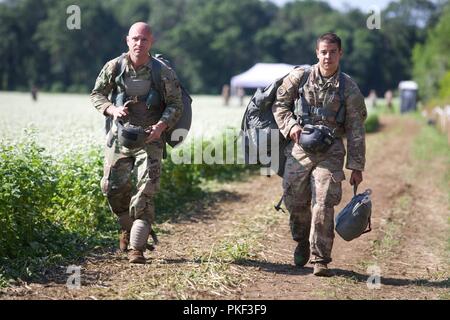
(215, 41)
(431, 59)
(209, 41)
(127, 12)
(77, 55)
(22, 58)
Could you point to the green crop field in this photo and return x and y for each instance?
(51, 205)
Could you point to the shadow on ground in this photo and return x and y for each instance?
(193, 211)
(283, 268)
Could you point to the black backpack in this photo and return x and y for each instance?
(259, 128)
(186, 118)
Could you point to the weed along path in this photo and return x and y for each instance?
(234, 245)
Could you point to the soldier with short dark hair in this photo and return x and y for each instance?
(312, 177)
(146, 105)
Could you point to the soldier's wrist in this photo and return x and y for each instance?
(109, 110)
(162, 125)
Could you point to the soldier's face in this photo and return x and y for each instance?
(329, 56)
(139, 42)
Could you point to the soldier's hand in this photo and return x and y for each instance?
(295, 132)
(356, 178)
(117, 112)
(155, 131)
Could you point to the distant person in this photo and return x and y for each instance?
(241, 95)
(144, 109)
(388, 98)
(372, 98)
(34, 93)
(314, 167)
(226, 94)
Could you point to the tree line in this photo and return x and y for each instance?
(209, 41)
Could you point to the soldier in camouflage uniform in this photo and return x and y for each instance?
(312, 182)
(136, 212)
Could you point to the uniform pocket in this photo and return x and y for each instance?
(334, 192)
(104, 183)
(338, 176)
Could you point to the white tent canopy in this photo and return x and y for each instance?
(261, 75)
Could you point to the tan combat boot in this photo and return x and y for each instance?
(321, 270)
(136, 256)
(124, 240)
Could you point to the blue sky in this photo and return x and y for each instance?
(363, 5)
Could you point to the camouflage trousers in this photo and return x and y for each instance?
(117, 179)
(312, 187)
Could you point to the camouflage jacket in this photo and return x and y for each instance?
(170, 86)
(320, 92)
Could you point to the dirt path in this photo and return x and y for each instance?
(233, 245)
(407, 244)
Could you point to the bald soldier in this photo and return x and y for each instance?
(329, 104)
(132, 78)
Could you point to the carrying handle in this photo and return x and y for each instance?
(369, 227)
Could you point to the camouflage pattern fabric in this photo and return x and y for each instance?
(120, 162)
(312, 183)
(171, 94)
(117, 185)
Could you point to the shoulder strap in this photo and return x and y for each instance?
(305, 78)
(304, 113)
(120, 70)
(156, 74)
(340, 115)
(118, 90)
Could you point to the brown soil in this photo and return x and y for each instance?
(409, 243)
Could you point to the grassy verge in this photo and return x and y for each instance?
(430, 159)
(52, 210)
(433, 153)
(431, 145)
(212, 270)
(391, 228)
(430, 152)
